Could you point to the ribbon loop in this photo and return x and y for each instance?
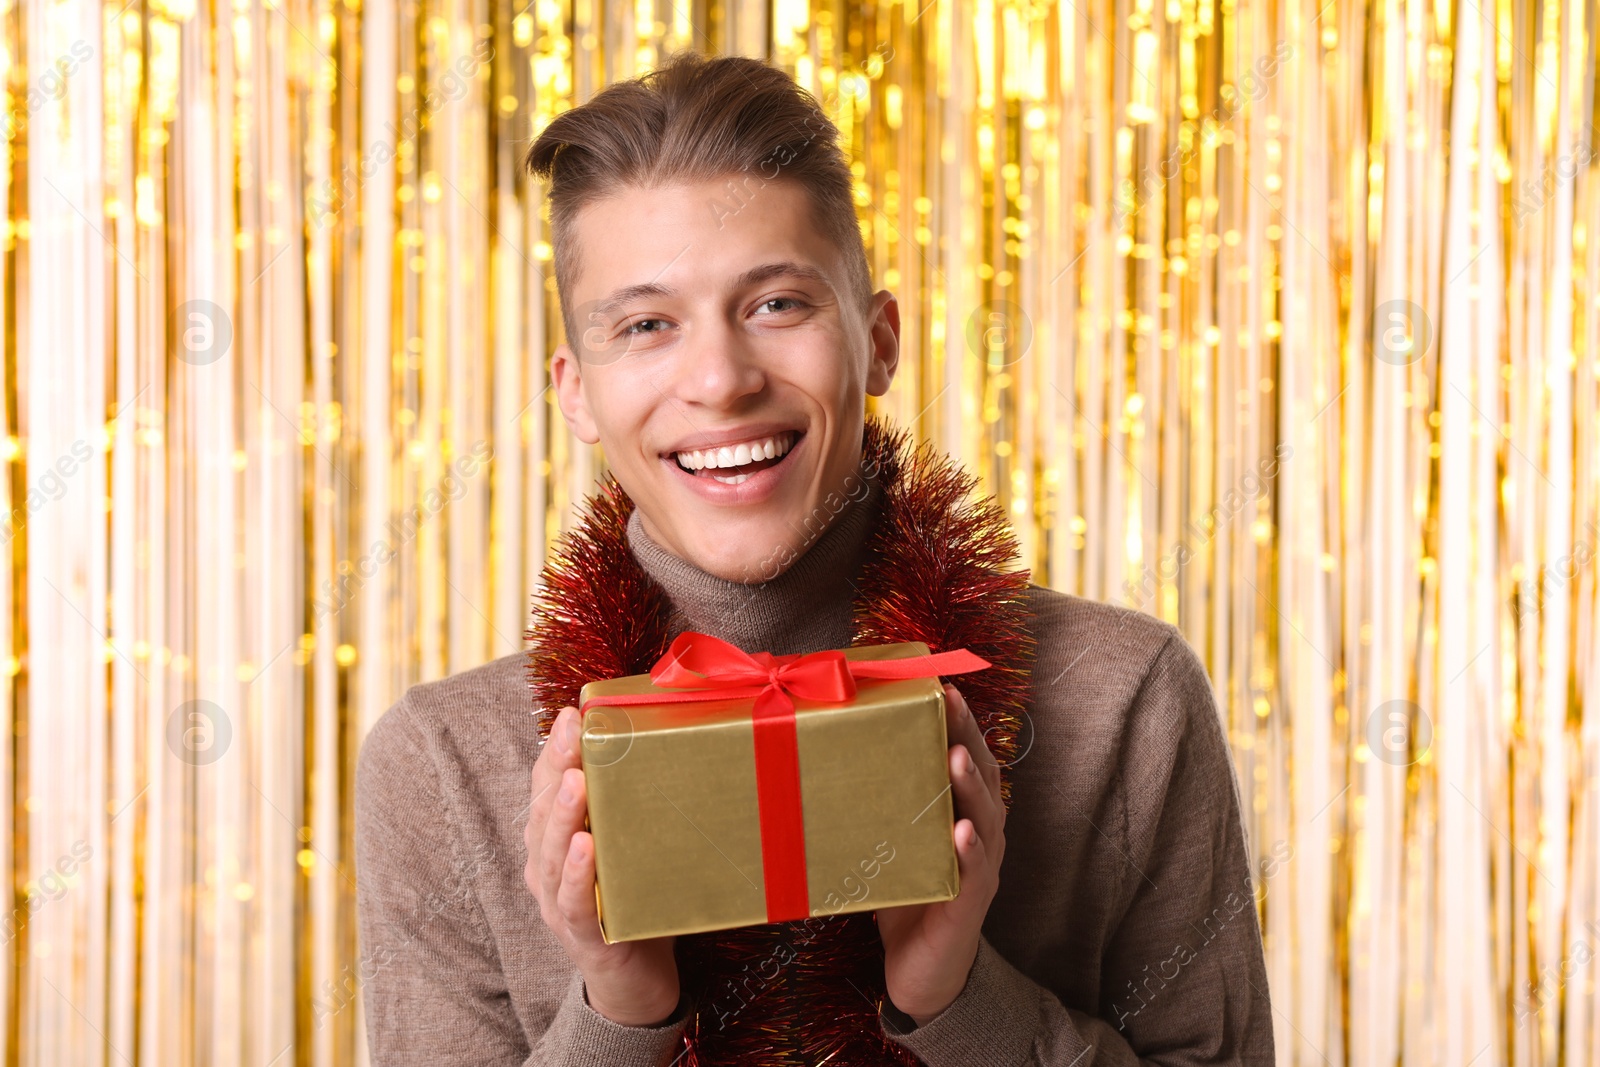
(698, 661)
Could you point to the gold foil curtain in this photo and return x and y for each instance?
(1275, 318)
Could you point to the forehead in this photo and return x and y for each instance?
(696, 235)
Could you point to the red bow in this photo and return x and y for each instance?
(705, 668)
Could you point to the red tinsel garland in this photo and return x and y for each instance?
(805, 993)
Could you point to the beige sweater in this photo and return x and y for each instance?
(1124, 926)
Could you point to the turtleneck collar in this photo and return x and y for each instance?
(806, 608)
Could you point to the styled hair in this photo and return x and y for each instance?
(696, 119)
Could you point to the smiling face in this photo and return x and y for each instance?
(723, 364)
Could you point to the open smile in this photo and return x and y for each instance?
(732, 464)
(740, 472)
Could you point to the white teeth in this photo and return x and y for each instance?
(737, 455)
(731, 480)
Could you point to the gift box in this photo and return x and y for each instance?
(728, 789)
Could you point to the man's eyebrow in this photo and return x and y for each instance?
(754, 276)
(629, 293)
(785, 269)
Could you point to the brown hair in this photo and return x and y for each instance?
(696, 119)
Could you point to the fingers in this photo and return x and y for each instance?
(560, 752)
(974, 800)
(970, 849)
(566, 819)
(962, 727)
(575, 899)
(973, 861)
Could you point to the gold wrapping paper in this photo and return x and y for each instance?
(673, 809)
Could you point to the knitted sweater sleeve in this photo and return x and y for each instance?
(432, 981)
(1182, 976)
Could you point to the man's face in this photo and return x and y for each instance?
(723, 365)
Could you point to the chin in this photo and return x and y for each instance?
(762, 552)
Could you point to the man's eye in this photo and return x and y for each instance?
(782, 300)
(634, 329)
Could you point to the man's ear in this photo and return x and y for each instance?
(568, 381)
(883, 321)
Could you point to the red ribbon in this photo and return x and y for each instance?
(705, 668)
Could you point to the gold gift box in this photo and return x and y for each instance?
(676, 825)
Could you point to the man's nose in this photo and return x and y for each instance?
(720, 368)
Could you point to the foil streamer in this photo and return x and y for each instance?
(1274, 318)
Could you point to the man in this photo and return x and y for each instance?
(723, 338)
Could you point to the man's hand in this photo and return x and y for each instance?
(634, 983)
(929, 948)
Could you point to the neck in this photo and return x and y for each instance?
(804, 608)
